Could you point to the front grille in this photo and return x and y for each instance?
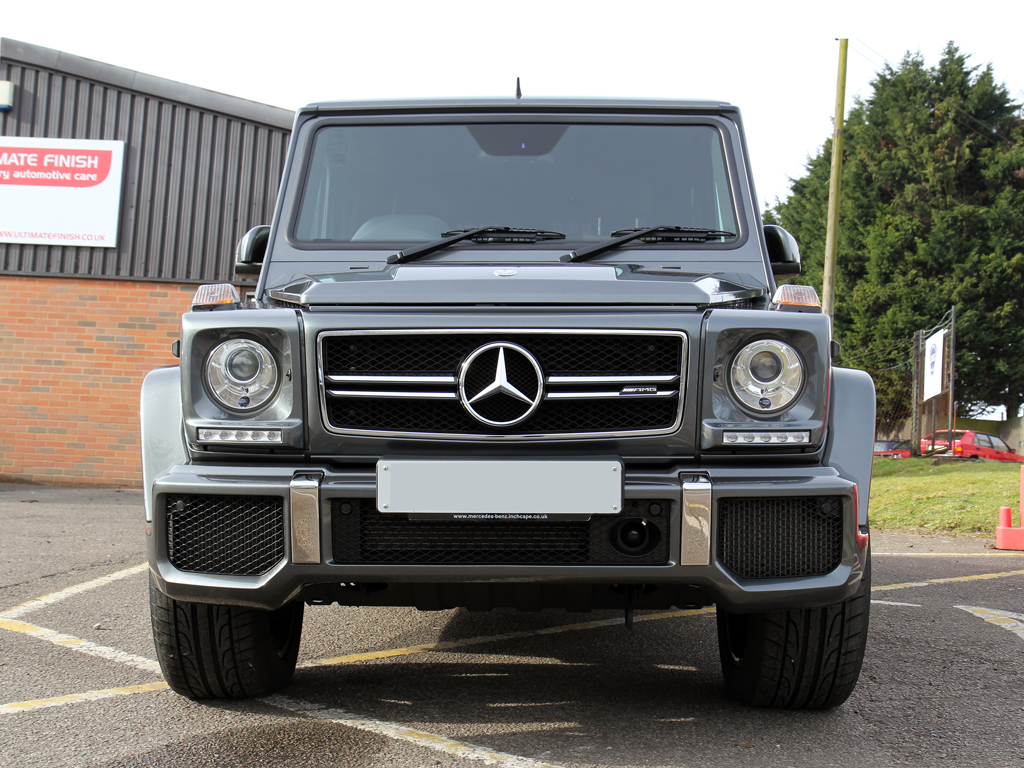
(771, 538)
(363, 535)
(236, 535)
(408, 383)
(560, 354)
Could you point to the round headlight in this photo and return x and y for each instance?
(767, 375)
(241, 374)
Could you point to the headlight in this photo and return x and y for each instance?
(241, 374)
(767, 375)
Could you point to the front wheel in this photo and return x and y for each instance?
(806, 658)
(224, 651)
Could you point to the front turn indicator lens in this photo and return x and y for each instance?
(241, 374)
(767, 375)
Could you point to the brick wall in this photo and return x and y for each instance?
(73, 353)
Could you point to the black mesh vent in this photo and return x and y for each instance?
(361, 534)
(780, 538)
(552, 416)
(236, 535)
(558, 355)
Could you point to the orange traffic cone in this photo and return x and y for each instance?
(1007, 535)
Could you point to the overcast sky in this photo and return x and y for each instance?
(777, 61)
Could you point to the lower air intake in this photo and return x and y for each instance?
(233, 535)
(361, 534)
(781, 537)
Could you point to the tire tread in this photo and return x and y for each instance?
(808, 658)
(219, 651)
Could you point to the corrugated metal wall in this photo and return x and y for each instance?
(195, 179)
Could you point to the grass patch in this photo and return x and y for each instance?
(961, 499)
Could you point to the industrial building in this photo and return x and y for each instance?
(119, 193)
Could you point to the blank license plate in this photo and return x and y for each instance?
(499, 488)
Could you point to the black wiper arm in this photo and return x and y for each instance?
(509, 235)
(622, 236)
(479, 235)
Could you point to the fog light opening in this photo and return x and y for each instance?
(634, 536)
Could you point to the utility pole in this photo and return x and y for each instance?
(952, 372)
(915, 422)
(832, 231)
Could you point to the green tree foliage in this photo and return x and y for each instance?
(932, 215)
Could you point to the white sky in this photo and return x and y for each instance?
(776, 60)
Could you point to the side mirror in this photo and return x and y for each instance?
(250, 251)
(783, 252)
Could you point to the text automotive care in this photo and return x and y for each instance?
(86, 167)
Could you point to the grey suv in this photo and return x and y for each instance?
(512, 353)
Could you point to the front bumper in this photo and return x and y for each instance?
(306, 564)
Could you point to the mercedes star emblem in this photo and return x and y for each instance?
(500, 384)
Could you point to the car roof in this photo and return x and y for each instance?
(545, 104)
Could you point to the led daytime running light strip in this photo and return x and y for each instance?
(767, 438)
(239, 435)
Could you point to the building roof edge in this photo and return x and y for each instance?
(129, 79)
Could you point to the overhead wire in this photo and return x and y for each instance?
(883, 356)
(934, 93)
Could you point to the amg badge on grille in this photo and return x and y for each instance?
(638, 391)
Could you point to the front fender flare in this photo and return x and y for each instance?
(163, 441)
(851, 431)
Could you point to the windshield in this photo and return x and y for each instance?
(411, 183)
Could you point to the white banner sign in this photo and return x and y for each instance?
(60, 191)
(934, 380)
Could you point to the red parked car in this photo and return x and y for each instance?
(897, 450)
(970, 444)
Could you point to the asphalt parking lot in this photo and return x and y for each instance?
(79, 686)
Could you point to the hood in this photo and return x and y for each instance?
(567, 284)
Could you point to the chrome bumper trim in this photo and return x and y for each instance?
(696, 533)
(304, 501)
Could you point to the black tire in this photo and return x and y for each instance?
(223, 651)
(808, 658)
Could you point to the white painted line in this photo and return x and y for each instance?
(891, 602)
(1014, 622)
(19, 707)
(41, 602)
(908, 585)
(404, 733)
(82, 646)
(948, 554)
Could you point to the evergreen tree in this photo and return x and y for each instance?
(932, 215)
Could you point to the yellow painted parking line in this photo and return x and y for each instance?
(404, 733)
(948, 579)
(41, 602)
(1004, 619)
(82, 646)
(18, 707)
(451, 644)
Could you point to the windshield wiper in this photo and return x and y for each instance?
(479, 235)
(664, 234)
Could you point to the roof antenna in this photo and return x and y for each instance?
(519, 91)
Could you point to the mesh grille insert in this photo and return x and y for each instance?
(551, 416)
(236, 535)
(361, 534)
(766, 538)
(560, 355)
